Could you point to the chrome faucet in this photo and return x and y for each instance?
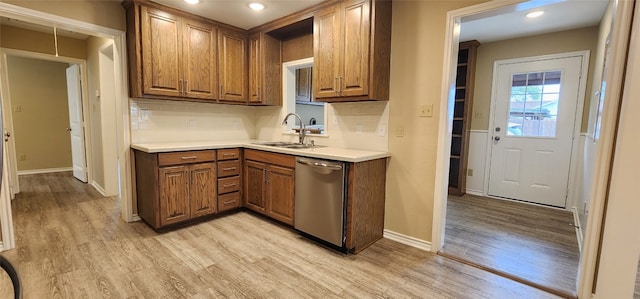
(303, 131)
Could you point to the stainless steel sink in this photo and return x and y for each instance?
(291, 145)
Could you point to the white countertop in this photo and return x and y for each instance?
(330, 153)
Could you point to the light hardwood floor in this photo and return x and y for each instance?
(71, 243)
(533, 243)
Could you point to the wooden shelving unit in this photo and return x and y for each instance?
(462, 117)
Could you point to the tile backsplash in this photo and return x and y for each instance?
(168, 121)
(349, 125)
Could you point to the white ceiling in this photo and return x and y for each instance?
(512, 23)
(238, 13)
(502, 24)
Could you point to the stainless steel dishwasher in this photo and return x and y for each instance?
(320, 199)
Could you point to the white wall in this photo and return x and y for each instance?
(477, 158)
(166, 121)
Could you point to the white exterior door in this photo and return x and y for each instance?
(532, 132)
(76, 126)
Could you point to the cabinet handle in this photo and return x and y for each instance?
(336, 85)
(180, 88)
(186, 89)
(189, 158)
(228, 155)
(229, 185)
(340, 84)
(229, 169)
(221, 91)
(226, 202)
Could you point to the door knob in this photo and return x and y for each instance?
(68, 129)
(497, 129)
(497, 138)
(6, 136)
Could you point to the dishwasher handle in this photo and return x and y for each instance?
(322, 164)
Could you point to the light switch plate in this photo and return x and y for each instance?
(400, 132)
(425, 110)
(358, 129)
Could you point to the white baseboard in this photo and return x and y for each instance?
(46, 170)
(135, 217)
(475, 192)
(407, 240)
(578, 225)
(98, 188)
(1, 247)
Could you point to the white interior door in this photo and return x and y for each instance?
(534, 118)
(76, 123)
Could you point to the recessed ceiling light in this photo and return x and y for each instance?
(192, 1)
(256, 6)
(535, 14)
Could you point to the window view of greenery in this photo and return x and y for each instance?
(533, 107)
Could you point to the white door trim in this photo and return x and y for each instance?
(577, 124)
(6, 94)
(620, 35)
(122, 92)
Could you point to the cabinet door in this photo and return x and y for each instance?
(174, 201)
(354, 80)
(161, 53)
(326, 52)
(233, 66)
(202, 189)
(280, 193)
(200, 60)
(254, 183)
(303, 85)
(255, 68)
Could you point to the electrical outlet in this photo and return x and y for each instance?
(23, 157)
(479, 114)
(358, 129)
(18, 108)
(400, 132)
(382, 130)
(469, 172)
(425, 110)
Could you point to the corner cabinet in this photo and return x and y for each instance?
(171, 55)
(269, 184)
(462, 117)
(265, 70)
(176, 187)
(352, 47)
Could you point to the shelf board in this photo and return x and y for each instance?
(459, 100)
(458, 118)
(463, 64)
(455, 157)
(461, 87)
(456, 135)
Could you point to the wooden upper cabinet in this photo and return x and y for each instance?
(200, 68)
(178, 56)
(265, 70)
(161, 53)
(326, 52)
(352, 51)
(233, 66)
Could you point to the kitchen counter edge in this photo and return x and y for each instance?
(330, 153)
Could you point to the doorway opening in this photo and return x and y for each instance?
(115, 151)
(484, 133)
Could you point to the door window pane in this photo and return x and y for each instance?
(533, 106)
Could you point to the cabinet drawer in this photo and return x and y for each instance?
(227, 185)
(228, 168)
(174, 158)
(228, 201)
(229, 154)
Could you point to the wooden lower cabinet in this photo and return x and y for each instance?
(173, 188)
(269, 184)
